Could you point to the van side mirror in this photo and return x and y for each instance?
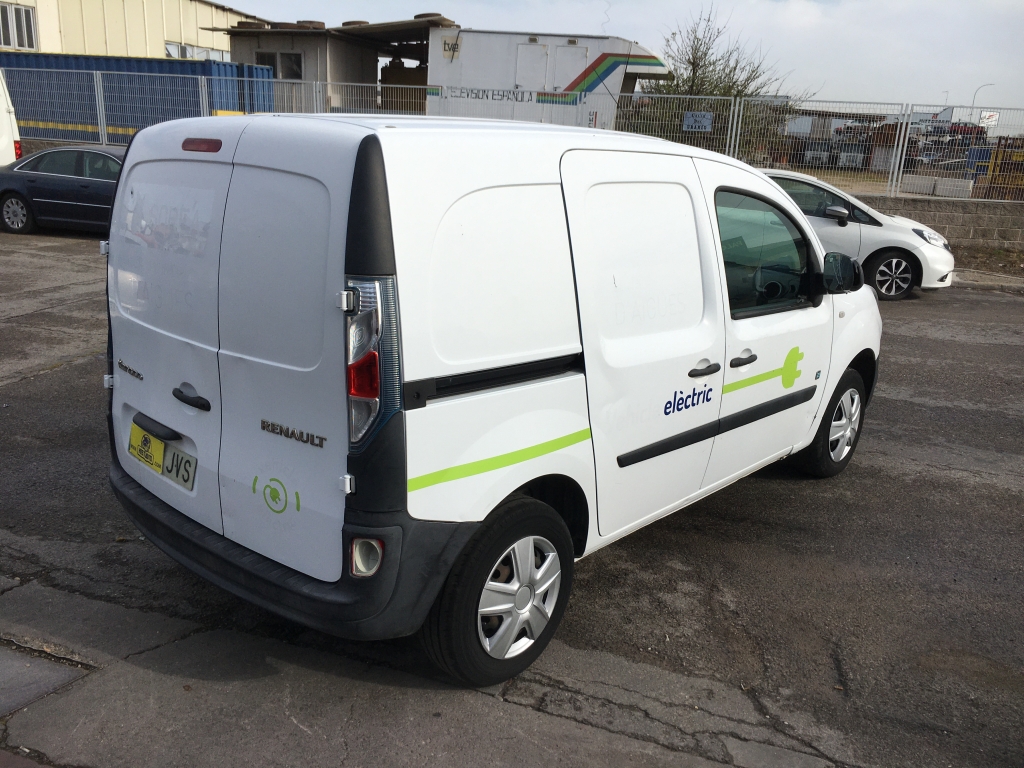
(842, 274)
(838, 213)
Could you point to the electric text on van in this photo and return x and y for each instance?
(388, 374)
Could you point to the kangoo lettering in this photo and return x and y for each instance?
(682, 401)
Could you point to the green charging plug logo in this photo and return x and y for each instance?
(789, 373)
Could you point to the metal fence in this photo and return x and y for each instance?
(861, 147)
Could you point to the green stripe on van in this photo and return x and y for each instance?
(497, 462)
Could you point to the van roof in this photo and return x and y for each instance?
(571, 137)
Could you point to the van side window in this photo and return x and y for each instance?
(766, 256)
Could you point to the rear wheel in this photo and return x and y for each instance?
(891, 274)
(16, 215)
(839, 432)
(505, 596)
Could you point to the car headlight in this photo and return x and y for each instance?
(932, 237)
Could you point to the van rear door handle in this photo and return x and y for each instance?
(194, 400)
(739, 362)
(696, 373)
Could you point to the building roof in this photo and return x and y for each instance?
(406, 39)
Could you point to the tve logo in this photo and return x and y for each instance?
(450, 47)
(683, 401)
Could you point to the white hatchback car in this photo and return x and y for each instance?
(897, 253)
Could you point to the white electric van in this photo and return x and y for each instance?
(10, 136)
(383, 375)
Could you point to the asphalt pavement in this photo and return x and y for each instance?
(873, 619)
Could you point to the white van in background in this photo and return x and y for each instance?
(10, 137)
(383, 375)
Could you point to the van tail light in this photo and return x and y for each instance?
(373, 380)
(17, 150)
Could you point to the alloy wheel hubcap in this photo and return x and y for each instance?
(15, 214)
(519, 597)
(845, 423)
(893, 276)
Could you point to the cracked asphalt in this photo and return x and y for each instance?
(873, 619)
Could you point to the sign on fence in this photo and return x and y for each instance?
(989, 119)
(698, 121)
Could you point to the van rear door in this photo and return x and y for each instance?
(162, 286)
(282, 360)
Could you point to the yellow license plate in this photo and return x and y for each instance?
(164, 459)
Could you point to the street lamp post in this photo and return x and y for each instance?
(986, 85)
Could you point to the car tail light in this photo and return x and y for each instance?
(17, 150)
(373, 380)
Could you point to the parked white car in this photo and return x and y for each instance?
(896, 253)
(508, 367)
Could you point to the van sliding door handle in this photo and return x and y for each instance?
(739, 362)
(696, 373)
(194, 400)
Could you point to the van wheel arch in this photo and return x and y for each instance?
(915, 264)
(566, 497)
(867, 366)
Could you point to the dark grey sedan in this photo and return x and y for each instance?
(69, 187)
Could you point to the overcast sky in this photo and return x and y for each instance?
(877, 50)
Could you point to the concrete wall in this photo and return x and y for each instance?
(962, 222)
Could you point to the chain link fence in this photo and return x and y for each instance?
(861, 147)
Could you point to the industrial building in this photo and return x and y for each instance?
(184, 29)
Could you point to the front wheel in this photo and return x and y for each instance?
(839, 432)
(891, 274)
(16, 215)
(504, 597)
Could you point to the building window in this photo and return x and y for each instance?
(183, 51)
(286, 66)
(17, 27)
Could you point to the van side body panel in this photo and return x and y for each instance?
(469, 452)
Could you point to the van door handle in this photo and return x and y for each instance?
(194, 400)
(696, 373)
(739, 362)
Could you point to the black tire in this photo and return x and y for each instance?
(818, 459)
(16, 214)
(451, 635)
(892, 274)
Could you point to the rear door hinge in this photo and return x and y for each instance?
(108, 381)
(347, 483)
(347, 301)
(104, 247)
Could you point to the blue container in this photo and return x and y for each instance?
(978, 159)
(55, 95)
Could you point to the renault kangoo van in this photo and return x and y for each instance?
(386, 375)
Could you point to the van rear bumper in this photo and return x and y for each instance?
(392, 603)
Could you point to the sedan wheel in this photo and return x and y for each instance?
(845, 422)
(893, 277)
(16, 215)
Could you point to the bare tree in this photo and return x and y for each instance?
(704, 61)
